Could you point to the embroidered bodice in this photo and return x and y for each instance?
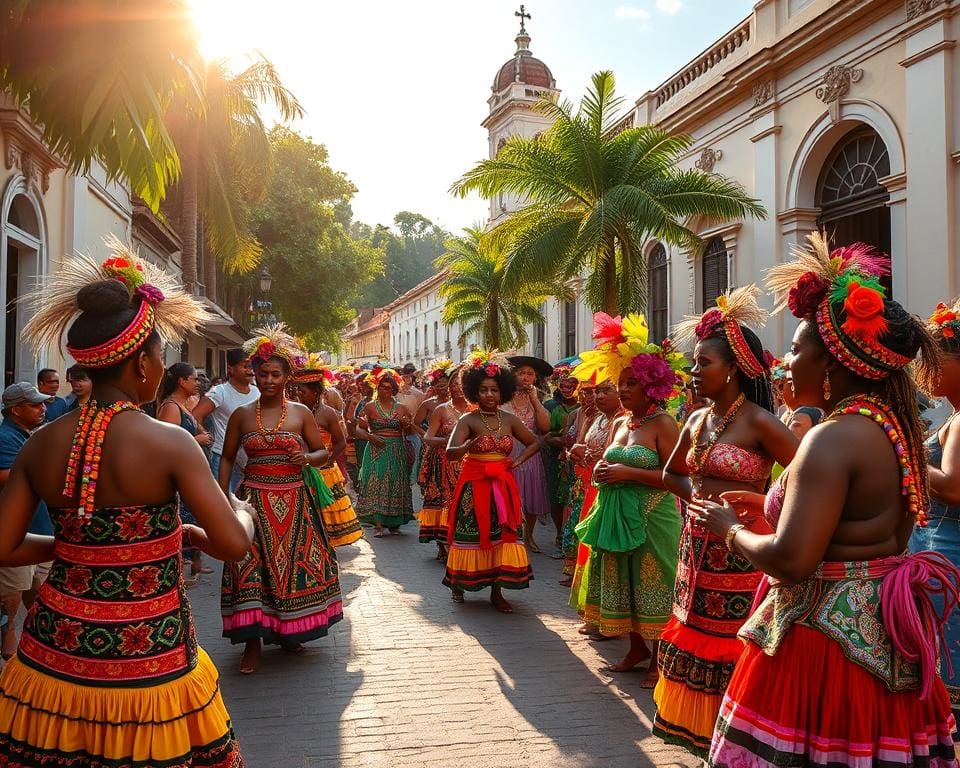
(527, 416)
(113, 611)
(637, 456)
(490, 444)
(268, 459)
(385, 422)
(773, 504)
(731, 462)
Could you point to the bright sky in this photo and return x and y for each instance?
(397, 90)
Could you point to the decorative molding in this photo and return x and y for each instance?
(943, 45)
(773, 130)
(708, 159)
(25, 150)
(916, 8)
(894, 183)
(836, 83)
(762, 92)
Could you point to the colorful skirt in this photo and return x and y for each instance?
(821, 682)
(384, 494)
(471, 566)
(699, 647)
(626, 583)
(532, 480)
(45, 721)
(287, 591)
(343, 526)
(437, 479)
(582, 495)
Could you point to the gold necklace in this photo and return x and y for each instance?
(701, 452)
(270, 433)
(483, 418)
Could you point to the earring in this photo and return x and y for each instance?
(827, 392)
(728, 378)
(143, 379)
(793, 389)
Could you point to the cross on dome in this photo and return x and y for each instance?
(524, 16)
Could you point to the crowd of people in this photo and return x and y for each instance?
(776, 541)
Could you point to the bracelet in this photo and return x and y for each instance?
(731, 534)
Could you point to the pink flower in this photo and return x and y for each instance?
(654, 375)
(150, 293)
(607, 330)
(708, 323)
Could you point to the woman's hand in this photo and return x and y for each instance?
(611, 473)
(577, 453)
(405, 422)
(716, 518)
(205, 439)
(747, 504)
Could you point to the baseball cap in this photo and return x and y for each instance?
(23, 392)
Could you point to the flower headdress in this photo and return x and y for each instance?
(624, 343)
(492, 361)
(378, 374)
(945, 321)
(161, 303)
(733, 310)
(841, 291)
(315, 371)
(274, 341)
(441, 368)
(561, 371)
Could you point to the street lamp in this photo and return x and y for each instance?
(266, 280)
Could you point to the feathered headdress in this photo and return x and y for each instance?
(379, 373)
(841, 290)
(945, 321)
(733, 310)
(491, 360)
(315, 371)
(624, 343)
(161, 302)
(561, 371)
(441, 368)
(275, 341)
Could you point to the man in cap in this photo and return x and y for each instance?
(48, 382)
(24, 408)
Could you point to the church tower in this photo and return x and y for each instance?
(519, 84)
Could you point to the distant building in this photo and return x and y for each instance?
(366, 339)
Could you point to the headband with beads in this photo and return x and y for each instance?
(275, 341)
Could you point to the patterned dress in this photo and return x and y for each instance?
(712, 598)
(632, 533)
(531, 475)
(486, 523)
(108, 672)
(437, 479)
(339, 518)
(385, 496)
(582, 494)
(288, 590)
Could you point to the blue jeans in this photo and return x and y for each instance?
(235, 476)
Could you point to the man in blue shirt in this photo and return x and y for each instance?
(48, 382)
(24, 407)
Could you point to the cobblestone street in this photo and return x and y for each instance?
(410, 679)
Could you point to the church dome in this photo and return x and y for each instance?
(523, 68)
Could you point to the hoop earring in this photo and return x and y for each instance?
(827, 392)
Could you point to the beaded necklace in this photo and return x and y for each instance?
(269, 434)
(86, 451)
(702, 451)
(635, 422)
(880, 412)
(483, 419)
(386, 416)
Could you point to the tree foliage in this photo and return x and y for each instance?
(595, 196)
(98, 76)
(409, 254)
(318, 266)
(480, 298)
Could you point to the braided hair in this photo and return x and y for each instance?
(757, 390)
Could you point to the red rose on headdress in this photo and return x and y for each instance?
(708, 323)
(492, 370)
(864, 308)
(117, 263)
(266, 350)
(806, 295)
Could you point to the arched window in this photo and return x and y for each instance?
(713, 271)
(436, 336)
(658, 311)
(22, 246)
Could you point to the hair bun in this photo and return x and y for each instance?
(105, 297)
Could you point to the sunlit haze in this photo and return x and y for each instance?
(397, 90)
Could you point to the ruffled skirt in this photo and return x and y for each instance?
(339, 518)
(45, 721)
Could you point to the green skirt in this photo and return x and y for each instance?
(384, 493)
(626, 583)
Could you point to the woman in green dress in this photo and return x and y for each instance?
(385, 495)
(633, 530)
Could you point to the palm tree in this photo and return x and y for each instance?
(98, 77)
(479, 296)
(595, 196)
(226, 161)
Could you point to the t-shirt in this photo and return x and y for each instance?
(55, 409)
(12, 438)
(226, 399)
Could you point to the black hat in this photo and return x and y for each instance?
(409, 369)
(542, 367)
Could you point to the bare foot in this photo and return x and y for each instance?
(293, 647)
(457, 596)
(587, 629)
(501, 604)
(650, 680)
(631, 661)
(250, 661)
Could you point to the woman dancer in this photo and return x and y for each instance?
(361, 397)
(574, 450)
(438, 475)
(108, 671)
(942, 532)
(830, 673)
(731, 445)
(288, 591)
(385, 496)
(485, 513)
(339, 518)
(178, 387)
(633, 528)
(531, 477)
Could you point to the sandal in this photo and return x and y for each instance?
(457, 597)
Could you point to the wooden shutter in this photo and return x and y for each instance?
(657, 298)
(714, 269)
